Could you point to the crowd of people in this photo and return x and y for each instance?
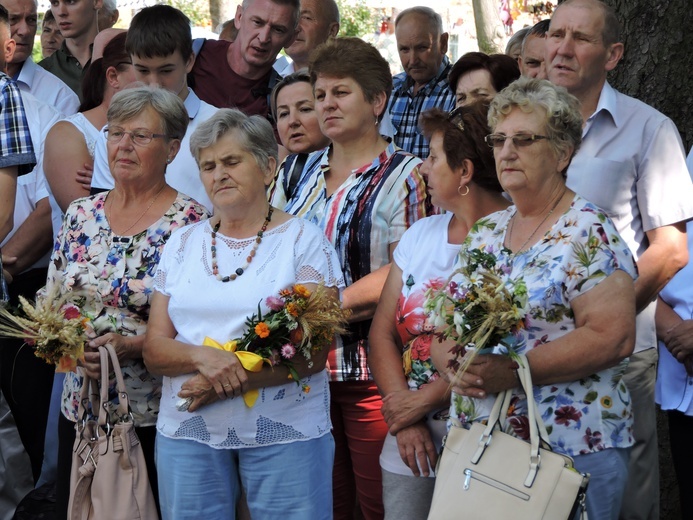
(167, 185)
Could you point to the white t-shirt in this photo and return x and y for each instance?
(200, 305)
(425, 256)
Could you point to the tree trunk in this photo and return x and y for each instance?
(658, 63)
(489, 30)
(220, 11)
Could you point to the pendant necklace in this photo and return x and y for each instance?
(512, 224)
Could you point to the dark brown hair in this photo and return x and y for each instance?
(466, 142)
(503, 69)
(94, 81)
(352, 58)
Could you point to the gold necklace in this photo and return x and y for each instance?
(143, 213)
(512, 224)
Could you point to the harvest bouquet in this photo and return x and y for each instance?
(484, 310)
(53, 326)
(299, 322)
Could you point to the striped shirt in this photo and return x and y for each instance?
(371, 210)
(405, 107)
(16, 148)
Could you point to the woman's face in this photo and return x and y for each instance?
(442, 181)
(231, 175)
(132, 162)
(297, 121)
(529, 165)
(343, 111)
(473, 86)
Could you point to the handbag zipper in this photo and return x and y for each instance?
(469, 475)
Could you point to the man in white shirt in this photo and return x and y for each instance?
(30, 77)
(631, 163)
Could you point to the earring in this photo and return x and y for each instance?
(465, 193)
(376, 120)
(168, 161)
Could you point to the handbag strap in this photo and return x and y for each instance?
(105, 352)
(537, 430)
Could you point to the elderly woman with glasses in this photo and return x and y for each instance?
(579, 326)
(462, 181)
(107, 252)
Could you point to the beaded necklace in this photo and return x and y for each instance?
(240, 270)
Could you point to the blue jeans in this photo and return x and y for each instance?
(282, 481)
(608, 471)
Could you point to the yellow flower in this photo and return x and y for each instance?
(262, 330)
(301, 291)
(292, 309)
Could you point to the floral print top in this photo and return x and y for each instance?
(111, 280)
(576, 254)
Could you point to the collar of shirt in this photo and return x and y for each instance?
(366, 168)
(192, 103)
(403, 83)
(607, 105)
(26, 73)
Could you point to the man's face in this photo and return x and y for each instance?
(576, 56)
(168, 72)
(420, 49)
(75, 17)
(23, 18)
(532, 58)
(314, 29)
(264, 28)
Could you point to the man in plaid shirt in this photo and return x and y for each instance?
(422, 45)
(16, 150)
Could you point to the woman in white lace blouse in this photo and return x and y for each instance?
(210, 280)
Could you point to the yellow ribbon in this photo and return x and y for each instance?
(249, 360)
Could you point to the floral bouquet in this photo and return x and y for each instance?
(484, 311)
(53, 326)
(299, 322)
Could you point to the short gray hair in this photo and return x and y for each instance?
(131, 102)
(109, 6)
(434, 19)
(563, 119)
(256, 135)
(294, 4)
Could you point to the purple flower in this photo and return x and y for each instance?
(274, 303)
(288, 351)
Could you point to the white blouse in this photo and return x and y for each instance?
(200, 305)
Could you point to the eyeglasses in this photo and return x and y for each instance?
(519, 140)
(455, 117)
(139, 136)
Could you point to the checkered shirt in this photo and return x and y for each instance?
(16, 148)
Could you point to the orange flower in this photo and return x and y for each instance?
(301, 291)
(262, 330)
(292, 309)
(306, 389)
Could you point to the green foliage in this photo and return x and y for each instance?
(356, 19)
(196, 10)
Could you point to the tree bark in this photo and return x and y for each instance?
(220, 11)
(658, 62)
(488, 25)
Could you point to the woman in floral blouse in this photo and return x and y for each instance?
(107, 252)
(580, 321)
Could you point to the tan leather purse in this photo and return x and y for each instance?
(484, 473)
(109, 475)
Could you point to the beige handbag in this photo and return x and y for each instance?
(484, 473)
(109, 475)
